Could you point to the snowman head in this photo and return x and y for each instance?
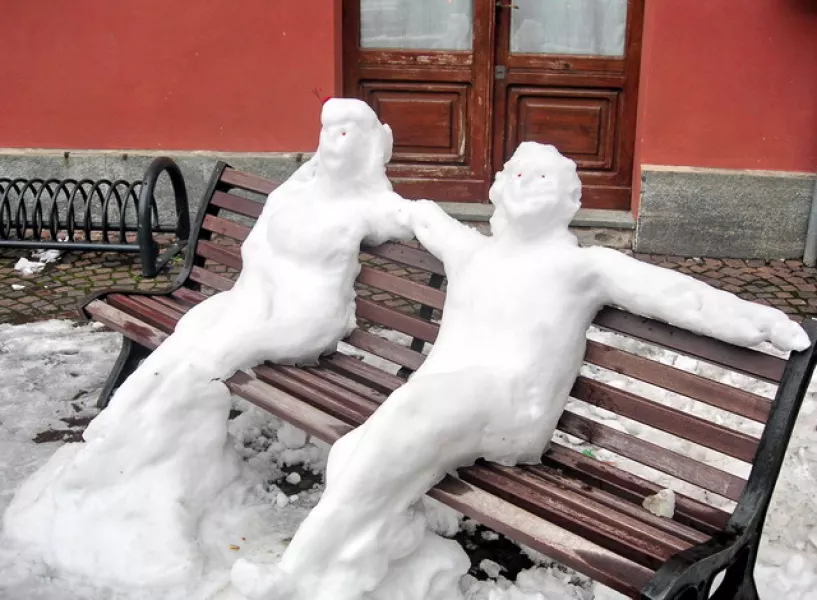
(537, 191)
(354, 144)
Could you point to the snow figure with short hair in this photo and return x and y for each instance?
(510, 345)
(125, 507)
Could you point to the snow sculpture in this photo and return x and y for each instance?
(125, 507)
(510, 345)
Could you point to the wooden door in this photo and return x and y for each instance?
(463, 82)
(567, 75)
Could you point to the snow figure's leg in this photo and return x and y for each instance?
(425, 429)
(128, 361)
(339, 454)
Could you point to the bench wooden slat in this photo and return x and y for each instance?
(346, 411)
(649, 454)
(405, 255)
(392, 319)
(403, 356)
(742, 360)
(188, 296)
(210, 279)
(237, 204)
(284, 406)
(350, 385)
(248, 181)
(557, 543)
(363, 372)
(694, 386)
(703, 517)
(225, 227)
(628, 536)
(172, 303)
(616, 503)
(148, 336)
(684, 425)
(229, 257)
(402, 287)
(151, 315)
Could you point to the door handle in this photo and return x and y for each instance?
(506, 5)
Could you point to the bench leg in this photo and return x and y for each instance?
(739, 580)
(126, 363)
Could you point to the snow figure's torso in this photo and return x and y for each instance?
(518, 314)
(300, 262)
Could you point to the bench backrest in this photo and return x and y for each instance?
(682, 421)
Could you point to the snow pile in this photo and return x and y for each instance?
(41, 259)
(137, 503)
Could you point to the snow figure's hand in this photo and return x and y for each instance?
(261, 581)
(789, 335)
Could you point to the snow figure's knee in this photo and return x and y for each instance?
(262, 581)
(340, 452)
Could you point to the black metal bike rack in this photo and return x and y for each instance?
(44, 214)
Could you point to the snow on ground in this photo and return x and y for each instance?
(51, 373)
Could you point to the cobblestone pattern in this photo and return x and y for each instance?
(788, 285)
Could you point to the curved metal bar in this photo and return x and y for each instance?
(147, 208)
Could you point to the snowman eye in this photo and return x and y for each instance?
(519, 174)
(343, 133)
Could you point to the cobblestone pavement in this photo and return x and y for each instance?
(788, 285)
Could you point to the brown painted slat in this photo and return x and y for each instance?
(128, 325)
(689, 427)
(649, 454)
(559, 544)
(363, 373)
(226, 256)
(743, 360)
(623, 484)
(225, 227)
(172, 303)
(403, 356)
(555, 478)
(248, 181)
(365, 404)
(352, 385)
(172, 313)
(405, 255)
(284, 406)
(344, 410)
(237, 204)
(393, 319)
(402, 287)
(210, 279)
(136, 307)
(694, 386)
(188, 296)
(628, 536)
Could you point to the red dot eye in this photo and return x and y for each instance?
(519, 174)
(343, 133)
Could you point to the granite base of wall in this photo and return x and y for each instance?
(723, 214)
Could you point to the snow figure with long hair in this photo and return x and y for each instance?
(124, 508)
(510, 345)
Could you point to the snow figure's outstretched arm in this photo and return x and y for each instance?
(389, 219)
(442, 235)
(683, 301)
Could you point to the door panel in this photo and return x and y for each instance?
(580, 123)
(428, 121)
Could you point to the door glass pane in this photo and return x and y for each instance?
(589, 27)
(412, 24)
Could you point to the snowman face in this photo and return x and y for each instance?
(538, 187)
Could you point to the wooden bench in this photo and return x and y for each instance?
(574, 508)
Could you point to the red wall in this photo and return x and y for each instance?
(172, 74)
(729, 84)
